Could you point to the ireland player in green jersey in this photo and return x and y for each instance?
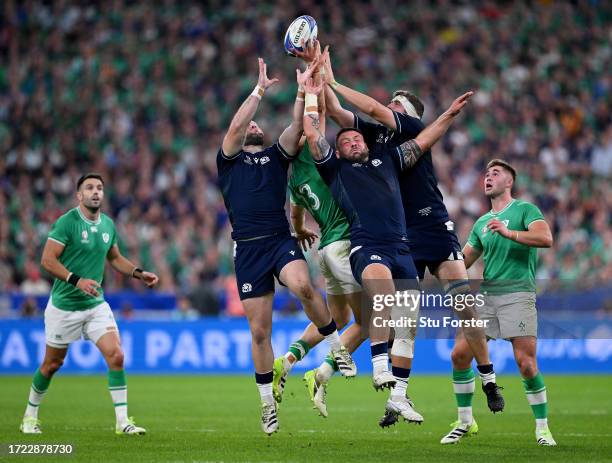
(309, 193)
(78, 245)
(507, 238)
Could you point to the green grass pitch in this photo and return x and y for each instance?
(216, 418)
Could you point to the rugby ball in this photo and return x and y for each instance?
(300, 31)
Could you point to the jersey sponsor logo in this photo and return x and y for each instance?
(248, 160)
(425, 211)
(375, 257)
(93, 229)
(357, 164)
(376, 162)
(247, 288)
(105, 237)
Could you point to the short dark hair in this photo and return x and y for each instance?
(347, 129)
(416, 102)
(503, 164)
(86, 176)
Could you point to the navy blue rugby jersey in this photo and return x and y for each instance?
(254, 188)
(423, 202)
(369, 195)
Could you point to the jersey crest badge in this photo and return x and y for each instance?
(264, 160)
(375, 257)
(105, 237)
(376, 162)
(84, 236)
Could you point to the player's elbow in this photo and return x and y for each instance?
(548, 241)
(46, 262)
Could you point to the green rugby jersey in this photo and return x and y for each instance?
(86, 244)
(307, 189)
(508, 266)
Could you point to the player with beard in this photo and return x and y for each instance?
(433, 242)
(366, 187)
(253, 181)
(79, 244)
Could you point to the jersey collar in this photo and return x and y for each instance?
(86, 220)
(499, 212)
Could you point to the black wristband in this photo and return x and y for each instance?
(137, 273)
(73, 279)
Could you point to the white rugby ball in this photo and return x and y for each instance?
(300, 32)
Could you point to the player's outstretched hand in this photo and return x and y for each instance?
(310, 87)
(311, 51)
(150, 279)
(263, 80)
(327, 73)
(498, 227)
(457, 105)
(88, 286)
(306, 238)
(302, 77)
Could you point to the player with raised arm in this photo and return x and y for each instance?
(507, 237)
(253, 181)
(309, 193)
(362, 182)
(433, 242)
(79, 244)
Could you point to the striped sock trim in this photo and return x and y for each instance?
(37, 391)
(117, 388)
(120, 404)
(32, 405)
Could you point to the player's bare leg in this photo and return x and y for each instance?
(109, 345)
(295, 275)
(453, 275)
(259, 315)
(52, 362)
(525, 355)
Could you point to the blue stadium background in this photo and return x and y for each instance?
(143, 95)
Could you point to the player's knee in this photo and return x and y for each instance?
(527, 366)
(116, 358)
(50, 366)
(460, 359)
(304, 291)
(260, 335)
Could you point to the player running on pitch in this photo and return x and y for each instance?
(79, 244)
(507, 237)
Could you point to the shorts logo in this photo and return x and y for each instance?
(247, 288)
(58, 336)
(376, 162)
(425, 211)
(522, 326)
(375, 257)
(292, 253)
(105, 237)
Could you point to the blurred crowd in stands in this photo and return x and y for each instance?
(143, 94)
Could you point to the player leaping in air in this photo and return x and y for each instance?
(253, 181)
(366, 186)
(433, 242)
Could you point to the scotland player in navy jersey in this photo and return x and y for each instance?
(366, 186)
(433, 242)
(253, 181)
